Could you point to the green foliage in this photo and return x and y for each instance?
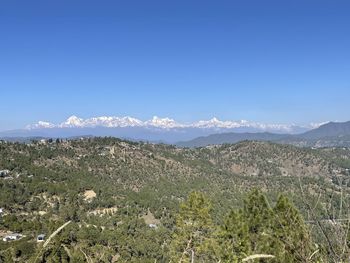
(258, 229)
(193, 239)
(258, 215)
(234, 237)
(291, 232)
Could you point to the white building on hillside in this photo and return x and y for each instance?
(13, 236)
(4, 173)
(40, 238)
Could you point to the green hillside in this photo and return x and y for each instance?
(131, 202)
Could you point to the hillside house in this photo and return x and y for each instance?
(12, 237)
(1, 211)
(4, 173)
(40, 238)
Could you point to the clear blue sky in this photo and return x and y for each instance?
(268, 61)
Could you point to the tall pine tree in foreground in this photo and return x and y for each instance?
(258, 229)
(248, 231)
(256, 232)
(258, 215)
(193, 240)
(234, 238)
(291, 233)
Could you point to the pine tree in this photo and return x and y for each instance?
(291, 232)
(193, 240)
(258, 215)
(234, 238)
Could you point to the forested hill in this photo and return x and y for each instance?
(123, 198)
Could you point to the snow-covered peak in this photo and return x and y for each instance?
(216, 123)
(72, 121)
(41, 125)
(105, 121)
(164, 123)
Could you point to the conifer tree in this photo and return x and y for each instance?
(291, 232)
(234, 238)
(193, 240)
(258, 215)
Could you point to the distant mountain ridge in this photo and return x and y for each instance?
(331, 129)
(232, 138)
(131, 133)
(332, 134)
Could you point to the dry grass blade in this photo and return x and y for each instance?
(67, 251)
(257, 256)
(313, 254)
(88, 259)
(55, 233)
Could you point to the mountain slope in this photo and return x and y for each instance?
(331, 129)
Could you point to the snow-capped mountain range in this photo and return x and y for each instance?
(168, 124)
(156, 129)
